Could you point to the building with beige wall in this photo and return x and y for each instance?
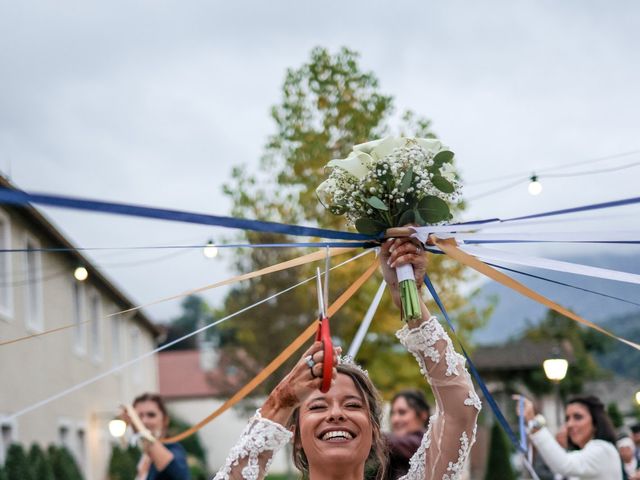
(38, 292)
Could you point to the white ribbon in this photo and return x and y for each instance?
(492, 255)
(366, 322)
(575, 237)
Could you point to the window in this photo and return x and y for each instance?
(63, 436)
(79, 329)
(6, 290)
(95, 336)
(116, 345)
(7, 437)
(33, 286)
(81, 449)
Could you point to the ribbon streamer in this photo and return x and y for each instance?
(366, 322)
(449, 247)
(304, 259)
(276, 362)
(128, 363)
(17, 197)
(492, 255)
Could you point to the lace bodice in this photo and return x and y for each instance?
(446, 444)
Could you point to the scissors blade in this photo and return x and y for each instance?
(320, 294)
(327, 268)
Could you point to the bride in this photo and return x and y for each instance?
(336, 435)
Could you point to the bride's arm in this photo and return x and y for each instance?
(266, 433)
(447, 442)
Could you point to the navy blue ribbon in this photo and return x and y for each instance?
(185, 247)
(487, 395)
(17, 197)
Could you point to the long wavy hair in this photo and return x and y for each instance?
(377, 459)
(602, 424)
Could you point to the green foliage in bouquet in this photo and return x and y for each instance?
(392, 182)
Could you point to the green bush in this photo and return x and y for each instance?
(123, 462)
(16, 464)
(63, 465)
(3, 475)
(40, 464)
(499, 462)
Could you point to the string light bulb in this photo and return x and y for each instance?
(555, 369)
(638, 397)
(80, 274)
(117, 427)
(535, 187)
(210, 250)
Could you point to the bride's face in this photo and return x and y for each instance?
(335, 426)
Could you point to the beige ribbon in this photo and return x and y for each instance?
(450, 247)
(304, 259)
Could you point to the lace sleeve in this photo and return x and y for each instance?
(452, 428)
(250, 458)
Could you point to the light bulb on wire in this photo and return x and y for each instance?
(80, 274)
(210, 250)
(535, 187)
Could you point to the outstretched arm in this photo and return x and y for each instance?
(447, 442)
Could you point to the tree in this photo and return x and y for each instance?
(16, 464)
(39, 464)
(63, 464)
(615, 415)
(328, 105)
(585, 343)
(195, 314)
(123, 461)
(499, 462)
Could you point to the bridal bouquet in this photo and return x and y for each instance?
(393, 182)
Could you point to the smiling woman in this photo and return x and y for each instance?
(336, 435)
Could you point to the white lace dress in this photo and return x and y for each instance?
(445, 445)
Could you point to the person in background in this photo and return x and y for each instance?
(635, 436)
(159, 461)
(409, 417)
(592, 453)
(627, 450)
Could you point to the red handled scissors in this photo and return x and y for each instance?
(324, 333)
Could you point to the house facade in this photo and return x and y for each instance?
(38, 292)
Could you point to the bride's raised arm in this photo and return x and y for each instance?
(452, 428)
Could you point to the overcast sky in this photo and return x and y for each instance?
(154, 102)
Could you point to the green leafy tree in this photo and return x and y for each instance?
(328, 105)
(16, 464)
(615, 415)
(39, 464)
(123, 462)
(3, 474)
(195, 314)
(499, 462)
(63, 464)
(585, 343)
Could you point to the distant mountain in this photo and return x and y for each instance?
(625, 361)
(514, 311)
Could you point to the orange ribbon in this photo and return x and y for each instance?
(278, 361)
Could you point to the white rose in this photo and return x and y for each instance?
(430, 144)
(356, 164)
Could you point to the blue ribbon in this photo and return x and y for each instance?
(177, 247)
(490, 400)
(17, 197)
